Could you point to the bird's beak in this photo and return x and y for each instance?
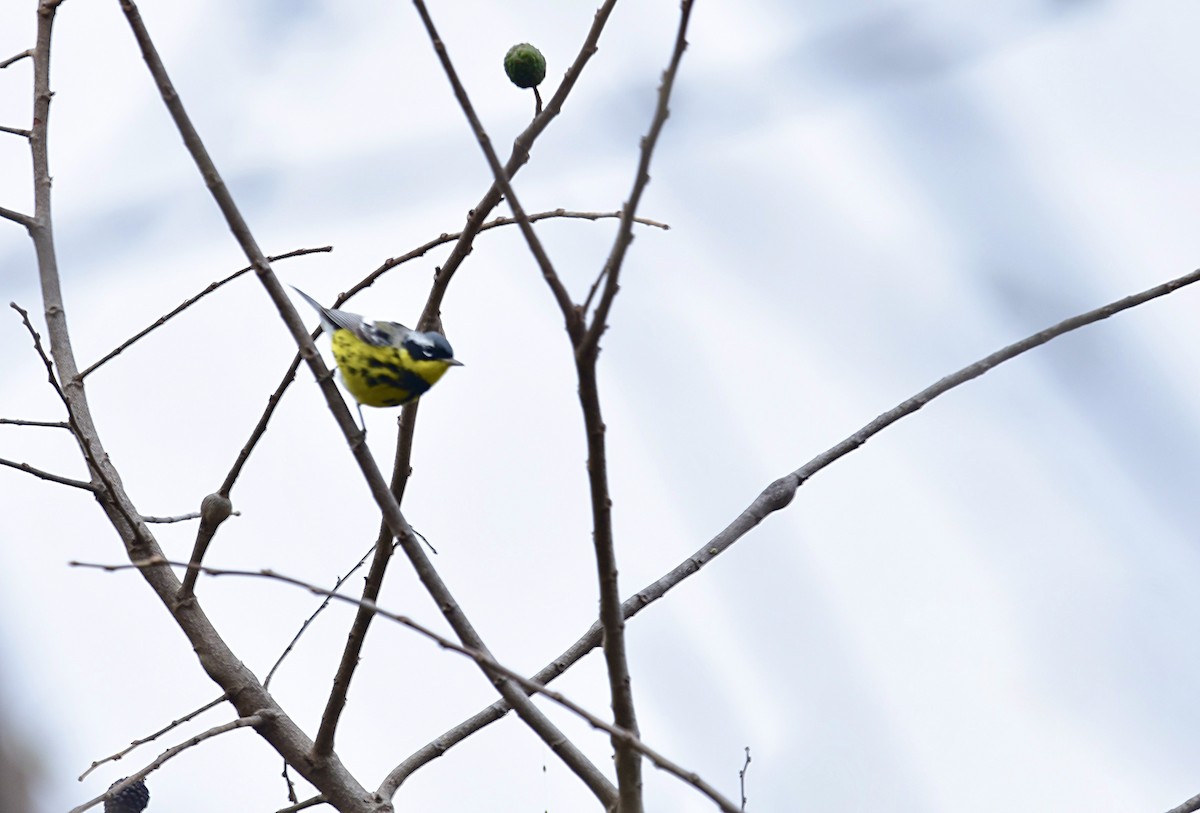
(454, 363)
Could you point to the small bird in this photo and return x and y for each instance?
(383, 363)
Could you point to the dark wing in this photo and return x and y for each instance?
(331, 319)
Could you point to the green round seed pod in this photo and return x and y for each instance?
(525, 65)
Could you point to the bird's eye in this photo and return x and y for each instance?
(428, 347)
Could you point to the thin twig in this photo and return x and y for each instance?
(522, 145)
(339, 692)
(17, 58)
(17, 131)
(16, 217)
(483, 658)
(742, 778)
(347, 794)
(266, 682)
(387, 265)
(260, 428)
(75, 427)
(319, 799)
(442, 239)
(172, 725)
(168, 520)
(171, 753)
(308, 622)
(22, 422)
(291, 786)
(625, 232)
(187, 303)
(498, 171)
(45, 475)
(774, 497)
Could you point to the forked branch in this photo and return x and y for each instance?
(396, 522)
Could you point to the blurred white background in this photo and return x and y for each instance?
(990, 606)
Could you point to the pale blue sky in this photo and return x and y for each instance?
(991, 605)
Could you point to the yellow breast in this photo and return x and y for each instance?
(382, 376)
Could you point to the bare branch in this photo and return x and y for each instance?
(72, 424)
(172, 725)
(612, 268)
(586, 343)
(1190, 806)
(421, 250)
(21, 422)
(17, 131)
(171, 753)
(367, 281)
(430, 319)
(308, 621)
(16, 217)
(774, 497)
(335, 704)
(498, 172)
(483, 658)
(260, 428)
(350, 657)
(187, 303)
(17, 58)
(307, 803)
(219, 663)
(742, 778)
(168, 520)
(347, 794)
(519, 156)
(291, 786)
(45, 475)
(214, 509)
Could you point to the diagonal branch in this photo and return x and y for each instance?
(382, 551)
(313, 617)
(16, 217)
(585, 341)
(187, 303)
(419, 251)
(17, 58)
(498, 172)
(774, 497)
(612, 268)
(1190, 806)
(484, 659)
(254, 720)
(397, 524)
(215, 657)
(45, 475)
(431, 315)
(520, 155)
(191, 715)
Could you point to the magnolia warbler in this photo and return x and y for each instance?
(383, 363)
